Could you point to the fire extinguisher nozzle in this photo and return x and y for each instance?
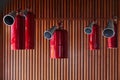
(8, 20)
(108, 33)
(47, 35)
(88, 30)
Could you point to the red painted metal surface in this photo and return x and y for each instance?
(112, 42)
(18, 33)
(94, 38)
(58, 44)
(29, 30)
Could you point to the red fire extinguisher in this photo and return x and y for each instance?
(94, 38)
(110, 32)
(112, 41)
(18, 32)
(29, 30)
(58, 44)
(93, 31)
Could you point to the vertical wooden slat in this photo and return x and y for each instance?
(93, 65)
(24, 65)
(90, 69)
(82, 52)
(45, 53)
(96, 64)
(62, 69)
(85, 52)
(108, 64)
(20, 65)
(73, 47)
(9, 54)
(39, 48)
(79, 50)
(28, 61)
(16, 63)
(52, 60)
(99, 52)
(68, 62)
(116, 65)
(41, 64)
(118, 52)
(31, 65)
(105, 56)
(102, 51)
(71, 66)
(65, 60)
(34, 65)
(48, 56)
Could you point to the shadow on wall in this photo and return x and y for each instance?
(1, 48)
(3, 4)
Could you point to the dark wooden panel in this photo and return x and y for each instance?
(82, 64)
(1, 49)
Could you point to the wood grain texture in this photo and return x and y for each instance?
(81, 64)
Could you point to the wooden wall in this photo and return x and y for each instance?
(82, 64)
(1, 48)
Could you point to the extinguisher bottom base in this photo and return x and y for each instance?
(29, 48)
(112, 47)
(94, 48)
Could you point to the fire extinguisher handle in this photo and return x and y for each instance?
(60, 24)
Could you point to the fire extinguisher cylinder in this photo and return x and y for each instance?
(29, 30)
(18, 33)
(58, 44)
(94, 38)
(112, 42)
